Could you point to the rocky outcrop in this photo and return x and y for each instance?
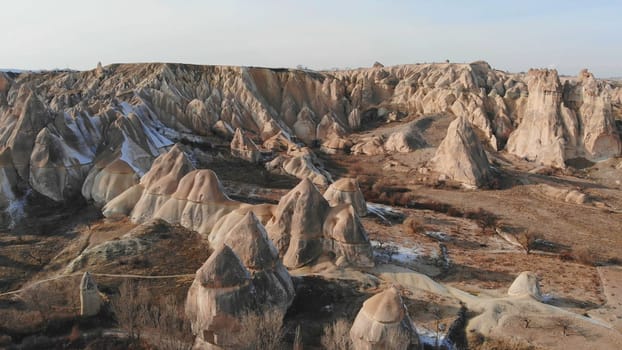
(296, 228)
(104, 183)
(221, 293)
(90, 300)
(57, 126)
(526, 284)
(144, 199)
(244, 148)
(561, 122)
(198, 202)
(346, 190)
(301, 163)
(383, 323)
(224, 291)
(304, 227)
(461, 157)
(346, 238)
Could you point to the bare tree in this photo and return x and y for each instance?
(565, 324)
(337, 335)
(131, 310)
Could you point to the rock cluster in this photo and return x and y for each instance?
(244, 148)
(305, 226)
(59, 129)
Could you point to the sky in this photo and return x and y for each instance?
(319, 34)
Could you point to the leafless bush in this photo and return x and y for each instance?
(478, 342)
(261, 332)
(337, 335)
(131, 310)
(484, 219)
(170, 325)
(43, 301)
(565, 325)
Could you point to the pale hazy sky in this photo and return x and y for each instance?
(510, 35)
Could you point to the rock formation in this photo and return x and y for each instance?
(144, 199)
(221, 293)
(461, 157)
(296, 228)
(198, 202)
(346, 190)
(526, 284)
(383, 323)
(105, 182)
(55, 127)
(244, 148)
(301, 163)
(90, 300)
(235, 281)
(345, 236)
(304, 227)
(561, 122)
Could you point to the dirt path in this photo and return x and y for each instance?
(93, 274)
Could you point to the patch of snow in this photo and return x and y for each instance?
(384, 212)
(16, 209)
(430, 338)
(393, 252)
(438, 235)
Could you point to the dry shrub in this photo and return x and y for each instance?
(262, 332)
(484, 219)
(131, 309)
(337, 335)
(478, 342)
(586, 256)
(413, 225)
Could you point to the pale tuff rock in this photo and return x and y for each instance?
(225, 290)
(461, 157)
(198, 203)
(159, 184)
(345, 236)
(244, 148)
(564, 122)
(104, 184)
(526, 284)
(540, 135)
(220, 294)
(383, 323)
(90, 300)
(263, 213)
(142, 200)
(301, 163)
(273, 283)
(402, 139)
(566, 195)
(304, 227)
(347, 190)
(279, 143)
(296, 228)
(133, 112)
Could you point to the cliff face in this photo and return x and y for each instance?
(55, 126)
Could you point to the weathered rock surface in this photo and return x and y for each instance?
(244, 148)
(90, 300)
(305, 226)
(56, 126)
(225, 290)
(461, 157)
(383, 323)
(346, 190)
(526, 284)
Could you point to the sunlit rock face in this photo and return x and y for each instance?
(461, 157)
